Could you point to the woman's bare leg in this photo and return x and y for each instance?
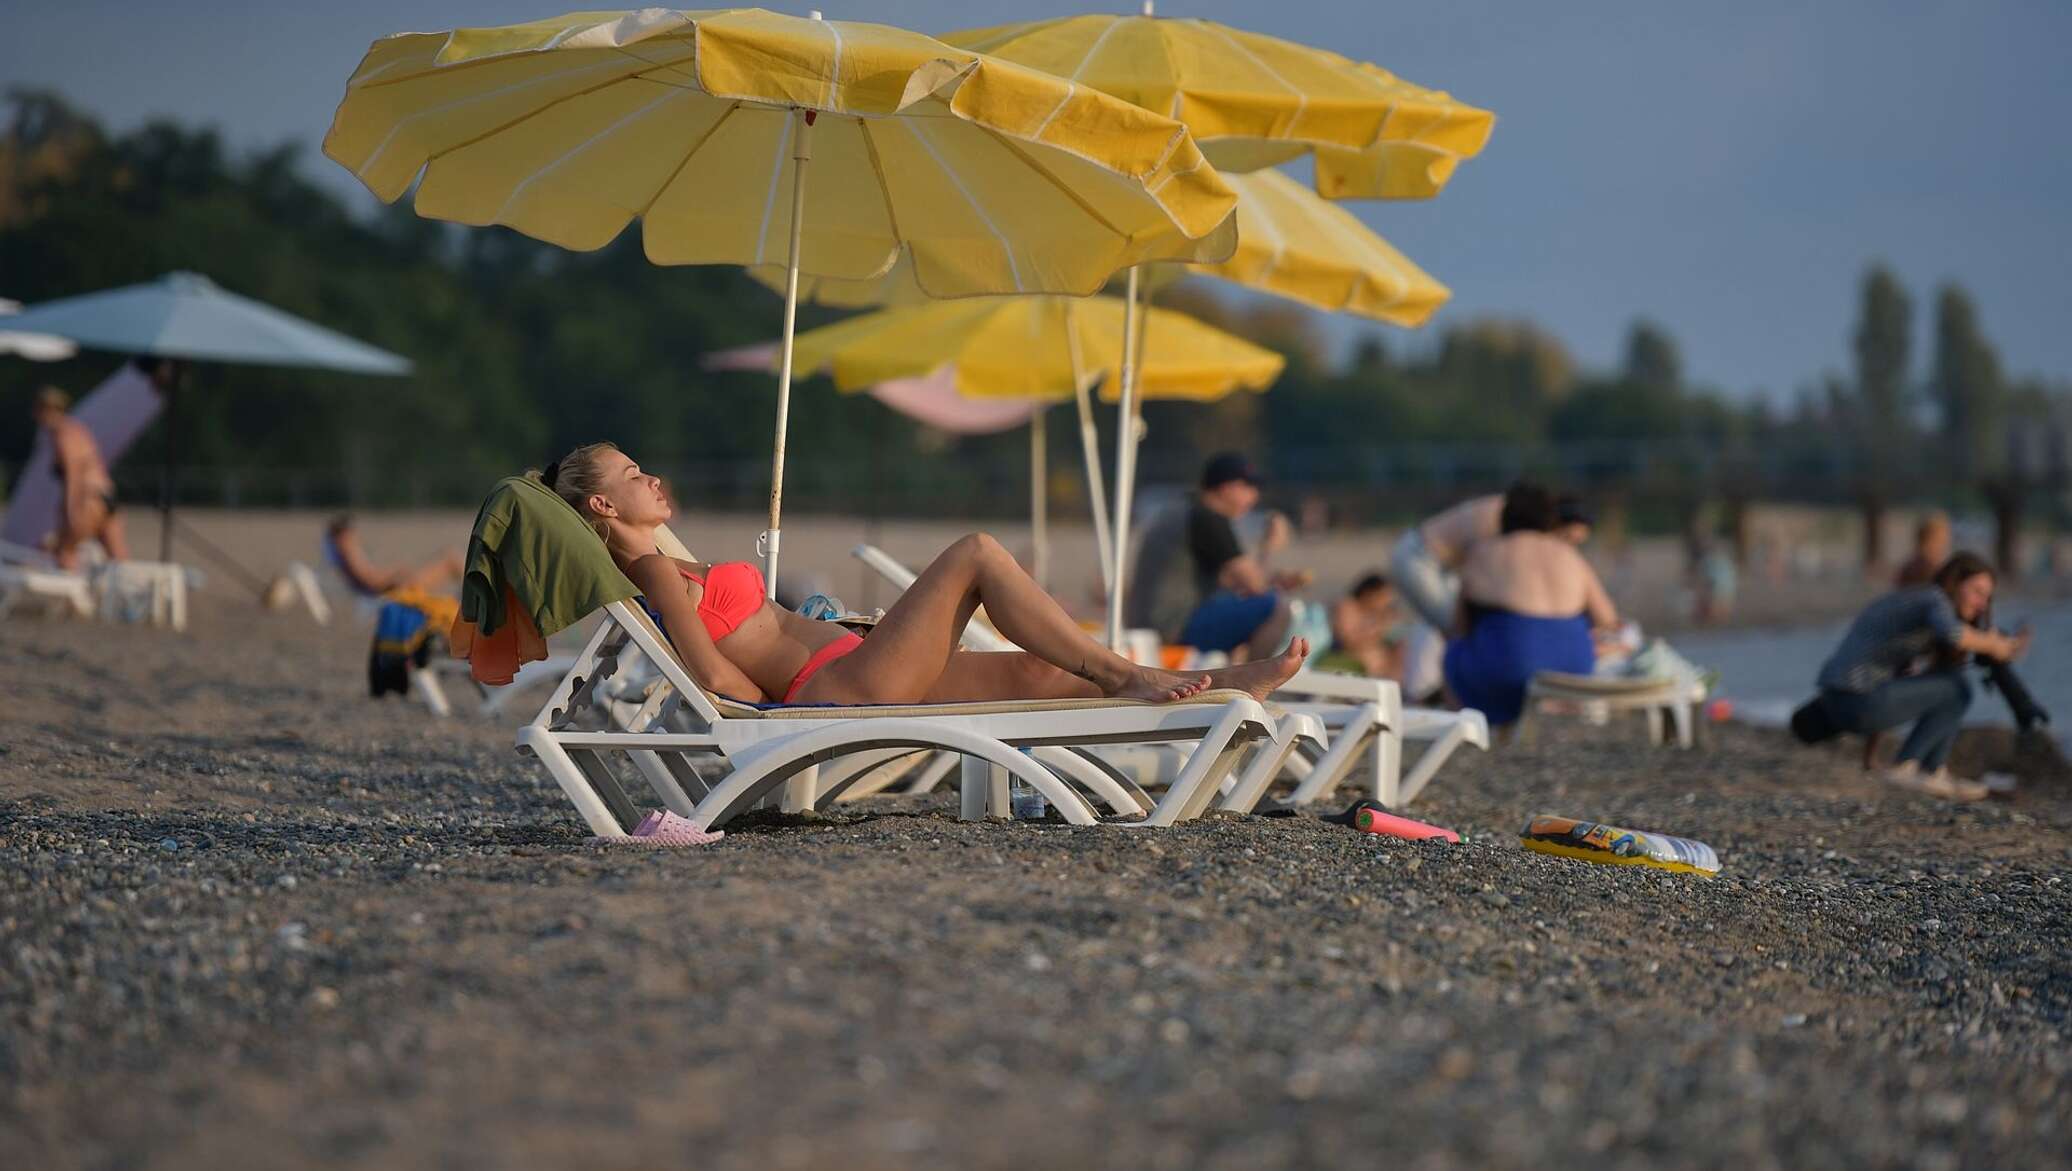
(431, 575)
(982, 675)
(115, 537)
(905, 657)
(911, 647)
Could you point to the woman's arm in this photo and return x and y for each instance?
(667, 591)
(1597, 603)
(1992, 644)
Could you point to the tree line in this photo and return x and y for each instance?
(524, 349)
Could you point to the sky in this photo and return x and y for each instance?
(1727, 170)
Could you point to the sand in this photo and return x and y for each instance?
(249, 917)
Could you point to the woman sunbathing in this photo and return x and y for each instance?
(739, 644)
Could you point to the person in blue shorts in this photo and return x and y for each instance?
(1242, 610)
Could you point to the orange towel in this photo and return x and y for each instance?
(493, 660)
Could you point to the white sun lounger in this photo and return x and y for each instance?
(28, 585)
(1364, 719)
(1043, 743)
(1596, 697)
(29, 575)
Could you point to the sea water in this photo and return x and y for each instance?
(1768, 672)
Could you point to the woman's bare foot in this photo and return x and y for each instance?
(1261, 676)
(1157, 686)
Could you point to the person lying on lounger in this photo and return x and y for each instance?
(342, 543)
(737, 643)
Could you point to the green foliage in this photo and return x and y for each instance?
(1968, 386)
(1652, 362)
(524, 350)
(1883, 344)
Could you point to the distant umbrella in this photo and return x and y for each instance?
(185, 316)
(36, 347)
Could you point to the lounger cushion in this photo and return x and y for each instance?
(733, 709)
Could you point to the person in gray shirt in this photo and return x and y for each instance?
(1865, 686)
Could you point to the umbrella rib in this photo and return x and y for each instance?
(390, 138)
(1094, 49)
(437, 70)
(541, 172)
(870, 151)
(1371, 261)
(1301, 98)
(957, 181)
(762, 235)
(1063, 188)
(685, 161)
(527, 116)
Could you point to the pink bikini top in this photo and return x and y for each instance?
(734, 591)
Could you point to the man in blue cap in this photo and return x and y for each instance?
(1241, 610)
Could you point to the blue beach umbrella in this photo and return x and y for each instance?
(184, 316)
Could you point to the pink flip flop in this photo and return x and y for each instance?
(663, 829)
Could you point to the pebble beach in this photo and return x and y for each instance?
(250, 917)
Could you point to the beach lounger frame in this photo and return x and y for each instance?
(1597, 697)
(1044, 743)
(1364, 719)
(28, 575)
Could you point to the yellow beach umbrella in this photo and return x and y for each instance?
(1291, 243)
(1295, 245)
(1039, 348)
(1035, 347)
(1254, 101)
(985, 176)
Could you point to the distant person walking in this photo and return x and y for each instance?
(87, 511)
(1865, 687)
(1931, 549)
(1241, 608)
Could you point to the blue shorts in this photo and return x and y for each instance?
(1225, 621)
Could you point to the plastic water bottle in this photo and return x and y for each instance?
(1026, 803)
(822, 608)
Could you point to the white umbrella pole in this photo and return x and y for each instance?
(1125, 462)
(1039, 499)
(801, 153)
(1090, 448)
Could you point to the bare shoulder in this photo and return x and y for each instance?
(651, 570)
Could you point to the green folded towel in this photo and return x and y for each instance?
(529, 539)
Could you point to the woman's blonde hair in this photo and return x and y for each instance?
(576, 477)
